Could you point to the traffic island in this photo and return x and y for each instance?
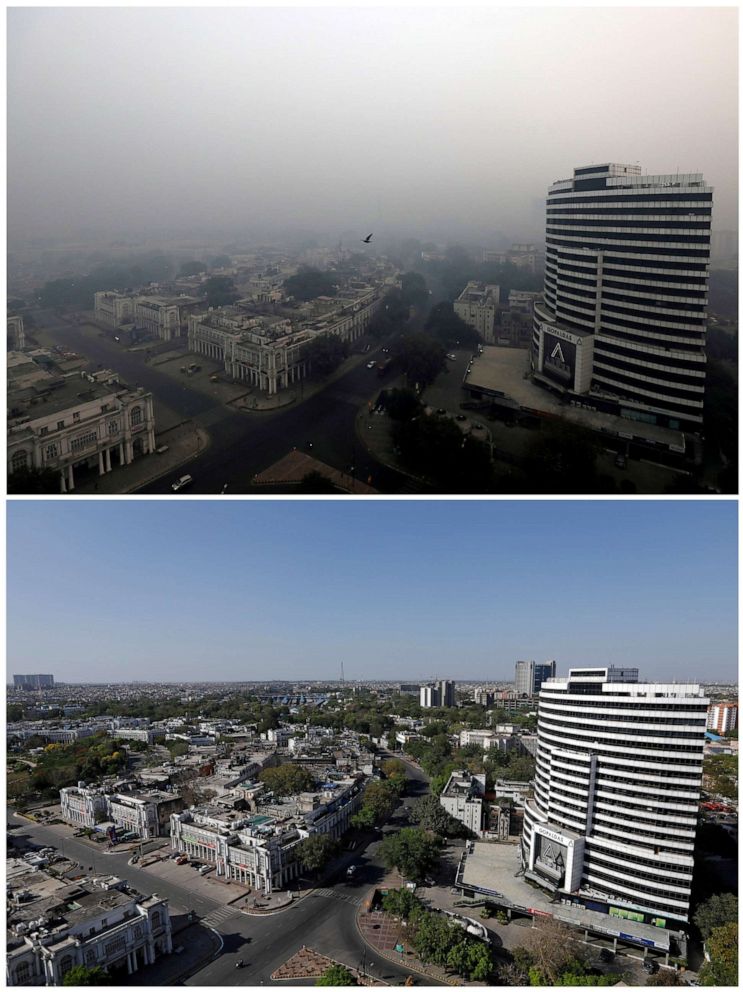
(308, 963)
(388, 936)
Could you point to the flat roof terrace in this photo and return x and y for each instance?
(504, 373)
(494, 870)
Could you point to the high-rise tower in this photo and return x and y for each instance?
(616, 793)
(624, 317)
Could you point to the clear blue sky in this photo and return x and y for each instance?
(196, 590)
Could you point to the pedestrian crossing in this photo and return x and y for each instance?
(335, 894)
(220, 915)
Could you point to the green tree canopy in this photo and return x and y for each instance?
(315, 851)
(379, 801)
(448, 328)
(420, 358)
(413, 852)
(429, 814)
(716, 912)
(400, 404)
(220, 291)
(401, 903)
(336, 974)
(80, 975)
(325, 353)
(414, 291)
(722, 947)
(309, 283)
(287, 780)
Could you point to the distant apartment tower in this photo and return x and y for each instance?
(16, 334)
(722, 717)
(530, 676)
(616, 793)
(33, 681)
(442, 693)
(624, 313)
(477, 305)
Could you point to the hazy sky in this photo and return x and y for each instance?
(181, 589)
(431, 122)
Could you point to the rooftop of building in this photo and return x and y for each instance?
(504, 373)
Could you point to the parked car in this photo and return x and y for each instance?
(650, 966)
(371, 364)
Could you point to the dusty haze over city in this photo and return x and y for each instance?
(334, 122)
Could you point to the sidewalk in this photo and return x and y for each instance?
(185, 441)
(199, 945)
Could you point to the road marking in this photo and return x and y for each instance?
(334, 894)
(217, 916)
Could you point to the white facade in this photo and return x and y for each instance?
(462, 798)
(112, 427)
(81, 925)
(625, 291)
(158, 316)
(82, 806)
(616, 792)
(476, 306)
(113, 309)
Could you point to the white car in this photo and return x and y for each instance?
(185, 480)
(370, 365)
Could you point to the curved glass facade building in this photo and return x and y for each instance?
(625, 293)
(616, 793)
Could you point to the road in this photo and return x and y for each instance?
(244, 444)
(324, 920)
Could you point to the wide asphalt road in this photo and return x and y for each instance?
(324, 920)
(245, 443)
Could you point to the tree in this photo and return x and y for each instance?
(400, 404)
(716, 912)
(219, 261)
(33, 481)
(434, 937)
(315, 851)
(553, 950)
(401, 903)
(309, 283)
(413, 289)
(521, 768)
(421, 359)
(562, 459)
(722, 947)
(80, 975)
(287, 780)
(336, 974)
(665, 976)
(220, 291)
(431, 815)
(395, 770)
(449, 328)
(472, 959)
(317, 484)
(380, 799)
(412, 851)
(325, 353)
(192, 268)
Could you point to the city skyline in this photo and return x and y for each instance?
(424, 122)
(396, 591)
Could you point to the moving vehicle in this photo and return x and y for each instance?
(184, 480)
(371, 364)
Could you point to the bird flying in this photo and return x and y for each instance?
(367, 239)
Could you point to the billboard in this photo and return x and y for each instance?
(559, 360)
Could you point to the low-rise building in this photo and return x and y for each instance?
(146, 814)
(54, 925)
(476, 305)
(462, 798)
(113, 309)
(79, 422)
(82, 805)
